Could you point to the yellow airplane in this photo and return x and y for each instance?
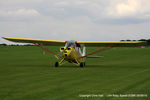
(71, 52)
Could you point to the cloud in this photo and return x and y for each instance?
(130, 10)
(18, 14)
(99, 11)
(75, 19)
(123, 9)
(104, 11)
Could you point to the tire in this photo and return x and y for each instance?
(81, 64)
(56, 64)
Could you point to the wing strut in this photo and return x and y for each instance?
(99, 50)
(45, 49)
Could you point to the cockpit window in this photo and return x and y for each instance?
(70, 44)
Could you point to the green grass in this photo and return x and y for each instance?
(26, 74)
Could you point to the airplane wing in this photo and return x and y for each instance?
(112, 43)
(85, 43)
(40, 41)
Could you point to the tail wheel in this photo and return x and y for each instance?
(56, 64)
(82, 64)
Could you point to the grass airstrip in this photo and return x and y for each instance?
(27, 74)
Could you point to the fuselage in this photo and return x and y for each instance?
(71, 52)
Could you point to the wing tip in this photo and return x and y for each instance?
(4, 37)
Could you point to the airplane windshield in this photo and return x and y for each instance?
(70, 44)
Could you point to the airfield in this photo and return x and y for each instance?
(28, 74)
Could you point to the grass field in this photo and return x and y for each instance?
(27, 74)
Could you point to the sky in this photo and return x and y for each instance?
(93, 20)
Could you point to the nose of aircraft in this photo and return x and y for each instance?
(65, 55)
(67, 52)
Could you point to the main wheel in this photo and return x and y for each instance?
(56, 64)
(82, 64)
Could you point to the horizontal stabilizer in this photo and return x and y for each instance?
(95, 56)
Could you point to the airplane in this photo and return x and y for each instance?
(72, 52)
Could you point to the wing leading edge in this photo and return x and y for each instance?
(40, 41)
(113, 43)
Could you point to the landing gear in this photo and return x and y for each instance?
(56, 64)
(82, 64)
(59, 63)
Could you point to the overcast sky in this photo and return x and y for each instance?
(97, 20)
